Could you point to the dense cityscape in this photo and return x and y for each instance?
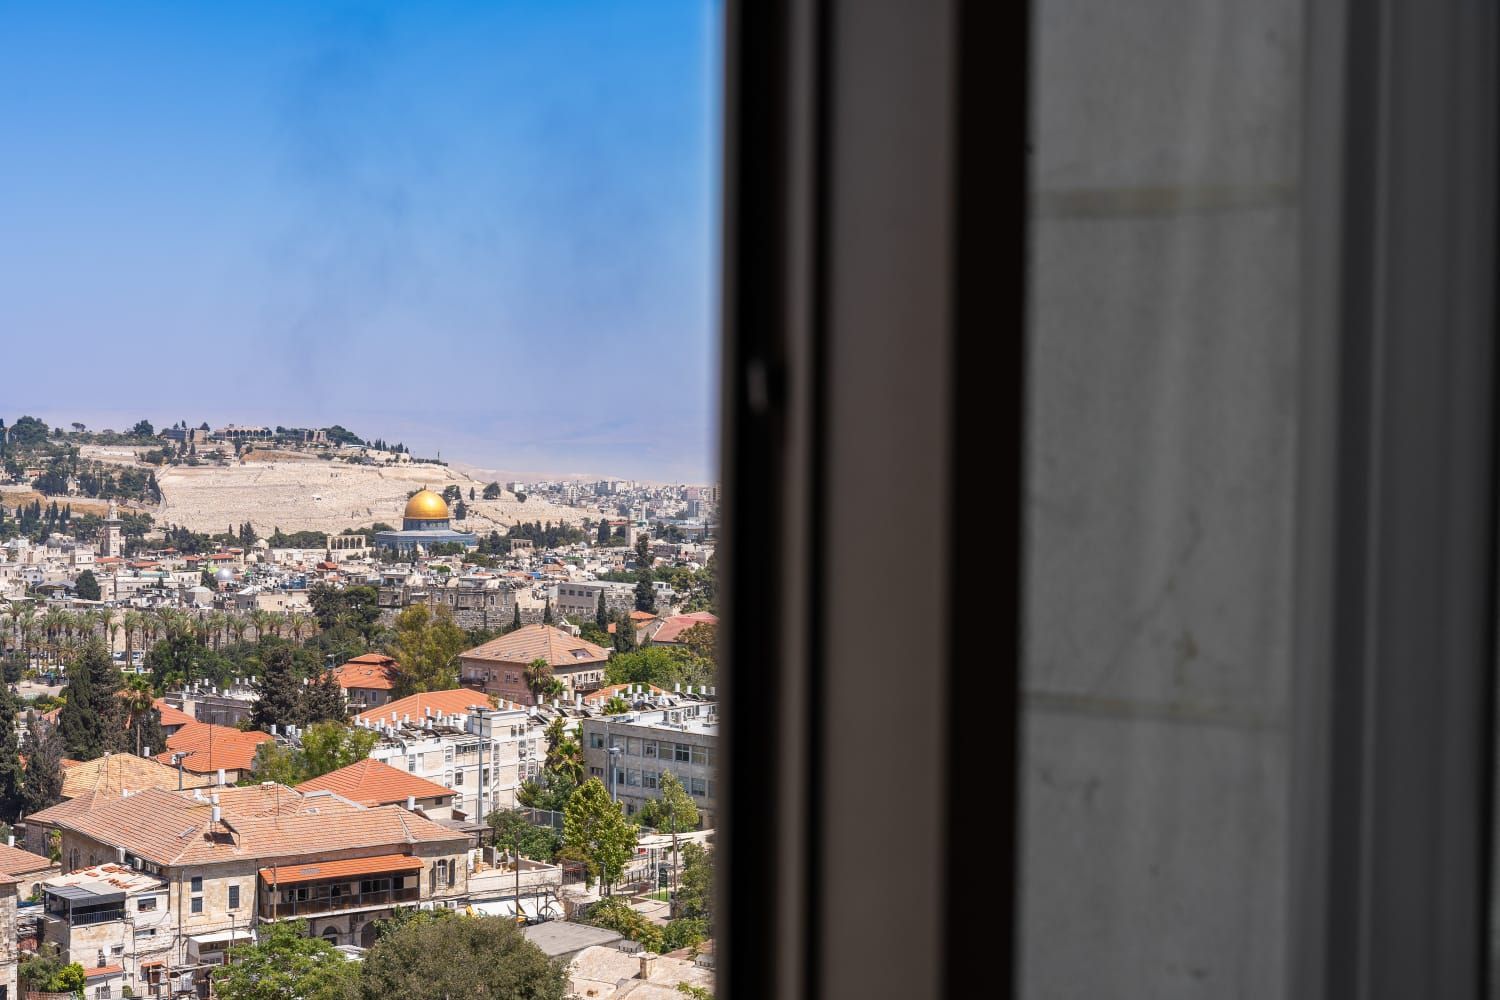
(293, 713)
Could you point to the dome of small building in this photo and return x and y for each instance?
(426, 506)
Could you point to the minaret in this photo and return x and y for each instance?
(110, 544)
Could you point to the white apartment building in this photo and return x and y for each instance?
(454, 739)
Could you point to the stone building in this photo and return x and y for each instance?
(242, 856)
(426, 522)
(498, 667)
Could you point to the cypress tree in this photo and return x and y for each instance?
(324, 700)
(41, 786)
(601, 613)
(12, 775)
(515, 620)
(604, 531)
(278, 691)
(547, 613)
(92, 719)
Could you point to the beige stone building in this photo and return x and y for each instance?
(498, 667)
(265, 853)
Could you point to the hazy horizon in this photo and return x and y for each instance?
(485, 230)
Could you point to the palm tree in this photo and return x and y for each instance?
(139, 699)
(238, 626)
(300, 624)
(536, 674)
(261, 619)
(112, 626)
(132, 623)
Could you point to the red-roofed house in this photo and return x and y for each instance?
(372, 783)
(207, 749)
(670, 631)
(367, 680)
(498, 667)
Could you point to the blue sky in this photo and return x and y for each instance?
(486, 228)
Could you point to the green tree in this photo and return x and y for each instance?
(144, 718)
(603, 535)
(616, 706)
(462, 959)
(274, 762)
(536, 675)
(515, 620)
(694, 897)
(660, 665)
(278, 691)
(328, 746)
(643, 552)
(324, 701)
(87, 586)
(41, 784)
(92, 718)
(673, 811)
(596, 833)
(645, 594)
(514, 832)
(286, 964)
(426, 647)
(492, 491)
(12, 774)
(617, 915)
(624, 640)
(601, 612)
(547, 613)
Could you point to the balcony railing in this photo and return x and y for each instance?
(275, 909)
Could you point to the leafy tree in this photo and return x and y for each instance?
(87, 586)
(328, 746)
(426, 647)
(286, 964)
(274, 762)
(603, 535)
(672, 812)
(461, 959)
(645, 594)
(520, 498)
(702, 640)
(92, 718)
(514, 832)
(595, 832)
(617, 915)
(660, 665)
(28, 432)
(616, 706)
(643, 552)
(41, 785)
(143, 429)
(694, 896)
(278, 691)
(46, 971)
(492, 491)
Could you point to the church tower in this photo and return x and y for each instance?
(110, 543)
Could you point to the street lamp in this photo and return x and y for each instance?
(614, 752)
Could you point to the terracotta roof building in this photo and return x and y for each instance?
(498, 667)
(367, 680)
(208, 749)
(372, 783)
(232, 857)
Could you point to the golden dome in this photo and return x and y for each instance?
(427, 506)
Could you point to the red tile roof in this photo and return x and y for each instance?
(211, 747)
(372, 671)
(14, 861)
(343, 868)
(538, 642)
(172, 716)
(373, 783)
(171, 828)
(103, 970)
(672, 630)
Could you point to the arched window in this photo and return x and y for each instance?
(331, 934)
